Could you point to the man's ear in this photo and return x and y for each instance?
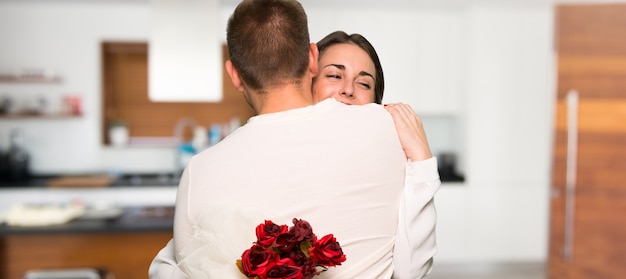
(234, 76)
(313, 59)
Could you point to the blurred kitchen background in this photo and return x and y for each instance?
(94, 131)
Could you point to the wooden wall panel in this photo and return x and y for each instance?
(125, 91)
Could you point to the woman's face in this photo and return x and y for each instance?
(346, 73)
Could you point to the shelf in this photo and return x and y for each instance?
(18, 116)
(28, 79)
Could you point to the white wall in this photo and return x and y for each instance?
(486, 70)
(65, 37)
(502, 212)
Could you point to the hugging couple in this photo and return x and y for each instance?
(322, 149)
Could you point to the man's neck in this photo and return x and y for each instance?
(285, 98)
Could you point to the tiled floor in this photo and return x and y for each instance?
(492, 271)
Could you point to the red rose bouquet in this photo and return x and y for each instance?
(289, 253)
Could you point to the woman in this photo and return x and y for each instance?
(350, 72)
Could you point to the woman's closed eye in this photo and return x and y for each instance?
(335, 76)
(365, 85)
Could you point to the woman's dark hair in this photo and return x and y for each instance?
(268, 42)
(340, 37)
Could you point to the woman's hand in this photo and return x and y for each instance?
(410, 131)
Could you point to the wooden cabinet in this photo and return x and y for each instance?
(124, 246)
(588, 224)
(124, 254)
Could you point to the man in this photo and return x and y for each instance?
(339, 167)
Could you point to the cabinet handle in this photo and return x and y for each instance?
(570, 173)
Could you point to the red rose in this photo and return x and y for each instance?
(285, 241)
(256, 260)
(327, 251)
(282, 269)
(282, 252)
(297, 256)
(266, 233)
(301, 230)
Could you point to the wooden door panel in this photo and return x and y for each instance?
(590, 270)
(557, 228)
(591, 50)
(601, 160)
(591, 29)
(598, 250)
(600, 115)
(598, 233)
(593, 87)
(591, 65)
(559, 157)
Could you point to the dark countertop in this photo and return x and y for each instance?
(39, 181)
(150, 179)
(122, 180)
(133, 219)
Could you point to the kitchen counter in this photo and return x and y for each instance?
(132, 219)
(123, 246)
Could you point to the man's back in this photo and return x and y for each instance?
(339, 167)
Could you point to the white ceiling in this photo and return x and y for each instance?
(385, 3)
(357, 4)
(432, 3)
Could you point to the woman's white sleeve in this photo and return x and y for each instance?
(415, 243)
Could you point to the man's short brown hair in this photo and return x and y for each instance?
(268, 42)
